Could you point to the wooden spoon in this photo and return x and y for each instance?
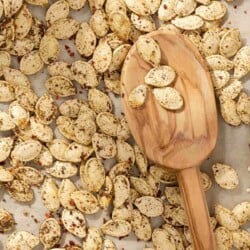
(183, 139)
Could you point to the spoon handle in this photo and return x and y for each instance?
(196, 209)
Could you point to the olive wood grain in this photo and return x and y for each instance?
(181, 139)
(196, 208)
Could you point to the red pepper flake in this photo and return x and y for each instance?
(48, 215)
(66, 47)
(165, 7)
(72, 54)
(72, 203)
(57, 97)
(235, 6)
(72, 243)
(245, 12)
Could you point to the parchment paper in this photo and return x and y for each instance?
(233, 147)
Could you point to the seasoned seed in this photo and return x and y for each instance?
(99, 23)
(76, 5)
(230, 43)
(163, 175)
(85, 40)
(107, 243)
(92, 174)
(31, 63)
(115, 5)
(6, 144)
(20, 191)
(84, 73)
(223, 238)
(49, 194)
(49, 49)
(71, 108)
(5, 175)
(167, 10)
(173, 196)
(139, 7)
(23, 22)
(107, 123)
(232, 90)
(46, 109)
(118, 57)
(242, 212)
(143, 23)
(141, 160)
(15, 77)
(121, 190)
(66, 188)
(22, 240)
(102, 57)
(243, 108)
(93, 240)
(5, 61)
(29, 175)
(27, 150)
(123, 132)
(149, 206)
(45, 158)
(149, 50)
(141, 186)
(56, 11)
(242, 62)
(162, 239)
(225, 217)
(60, 86)
(74, 222)
(192, 22)
(85, 201)
(22, 47)
(116, 228)
(7, 92)
(214, 11)
(63, 28)
(137, 96)
(241, 239)
(225, 176)
(49, 233)
(161, 76)
(6, 220)
(220, 78)
(26, 97)
(125, 152)
(122, 168)
(62, 170)
(185, 8)
(60, 69)
(120, 24)
(98, 101)
(218, 62)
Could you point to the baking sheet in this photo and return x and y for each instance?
(233, 147)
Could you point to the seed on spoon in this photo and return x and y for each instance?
(168, 98)
(138, 96)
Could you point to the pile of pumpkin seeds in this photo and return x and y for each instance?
(33, 155)
(158, 77)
